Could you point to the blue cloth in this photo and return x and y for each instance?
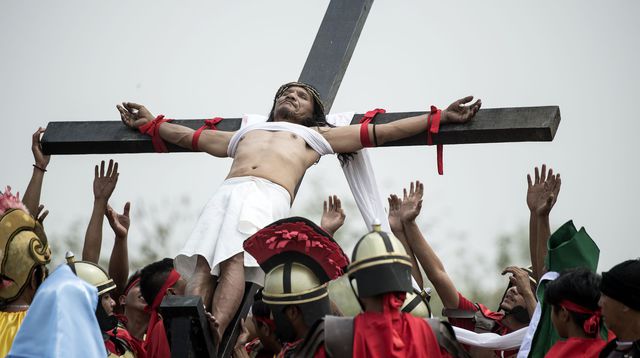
(61, 321)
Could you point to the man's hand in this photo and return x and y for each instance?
(134, 115)
(40, 214)
(394, 214)
(40, 159)
(119, 222)
(542, 193)
(457, 112)
(411, 202)
(518, 278)
(332, 215)
(105, 183)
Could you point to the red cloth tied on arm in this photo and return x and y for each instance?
(365, 139)
(153, 129)
(592, 324)
(433, 127)
(208, 124)
(392, 333)
(173, 277)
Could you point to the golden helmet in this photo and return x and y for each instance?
(23, 248)
(292, 283)
(91, 273)
(379, 264)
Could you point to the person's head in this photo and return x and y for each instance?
(298, 103)
(299, 259)
(513, 302)
(131, 298)
(620, 299)
(379, 266)
(153, 278)
(97, 277)
(265, 326)
(574, 297)
(296, 297)
(24, 251)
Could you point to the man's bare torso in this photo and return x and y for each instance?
(281, 157)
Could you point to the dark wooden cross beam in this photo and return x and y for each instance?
(324, 69)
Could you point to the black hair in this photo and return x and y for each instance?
(579, 286)
(260, 309)
(318, 119)
(152, 277)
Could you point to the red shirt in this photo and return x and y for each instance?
(157, 345)
(470, 325)
(577, 347)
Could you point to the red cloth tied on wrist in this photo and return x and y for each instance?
(153, 129)
(171, 280)
(208, 124)
(592, 324)
(365, 139)
(433, 127)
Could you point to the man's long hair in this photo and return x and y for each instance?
(318, 119)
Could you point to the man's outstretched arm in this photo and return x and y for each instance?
(134, 115)
(31, 198)
(347, 139)
(119, 261)
(542, 194)
(430, 262)
(395, 221)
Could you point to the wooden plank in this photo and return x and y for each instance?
(235, 327)
(493, 125)
(333, 46)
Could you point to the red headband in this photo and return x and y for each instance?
(133, 283)
(171, 280)
(592, 324)
(266, 321)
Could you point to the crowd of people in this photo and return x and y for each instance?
(558, 306)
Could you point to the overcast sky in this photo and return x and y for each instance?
(74, 60)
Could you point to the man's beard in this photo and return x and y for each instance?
(519, 313)
(287, 115)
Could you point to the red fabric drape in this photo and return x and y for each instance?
(392, 333)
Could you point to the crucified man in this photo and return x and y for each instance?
(269, 162)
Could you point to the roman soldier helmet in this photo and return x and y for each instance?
(379, 264)
(98, 277)
(91, 273)
(23, 247)
(299, 259)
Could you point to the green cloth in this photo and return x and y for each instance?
(568, 248)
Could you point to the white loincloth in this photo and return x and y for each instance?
(239, 208)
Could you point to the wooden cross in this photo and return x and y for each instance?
(324, 69)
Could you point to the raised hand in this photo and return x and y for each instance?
(332, 215)
(134, 115)
(519, 278)
(542, 192)
(395, 221)
(457, 112)
(40, 214)
(41, 160)
(411, 202)
(119, 222)
(105, 183)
